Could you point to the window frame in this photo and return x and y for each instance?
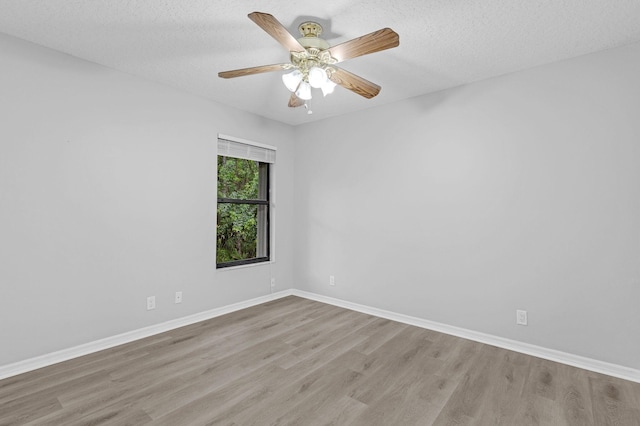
(264, 226)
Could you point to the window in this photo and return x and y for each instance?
(243, 231)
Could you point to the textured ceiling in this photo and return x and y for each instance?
(443, 43)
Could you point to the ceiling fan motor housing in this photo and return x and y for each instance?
(310, 32)
(315, 53)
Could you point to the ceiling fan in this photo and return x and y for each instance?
(313, 60)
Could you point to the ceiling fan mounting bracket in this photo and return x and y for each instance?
(310, 32)
(310, 29)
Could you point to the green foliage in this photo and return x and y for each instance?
(237, 228)
(237, 178)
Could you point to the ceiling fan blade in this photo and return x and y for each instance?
(276, 30)
(354, 83)
(376, 41)
(295, 101)
(250, 71)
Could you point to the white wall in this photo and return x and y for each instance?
(520, 192)
(107, 196)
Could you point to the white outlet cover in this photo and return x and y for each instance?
(521, 317)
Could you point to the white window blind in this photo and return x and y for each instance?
(238, 148)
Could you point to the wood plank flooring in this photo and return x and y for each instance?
(294, 361)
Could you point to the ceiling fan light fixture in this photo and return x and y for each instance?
(304, 91)
(317, 77)
(292, 80)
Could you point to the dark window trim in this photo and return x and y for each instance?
(242, 262)
(241, 201)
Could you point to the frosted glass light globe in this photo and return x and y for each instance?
(292, 80)
(327, 87)
(317, 77)
(304, 91)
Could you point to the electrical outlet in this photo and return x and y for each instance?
(178, 297)
(151, 303)
(332, 280)
(521, 317)
(273, 285)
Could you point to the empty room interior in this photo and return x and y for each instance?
(435, 220)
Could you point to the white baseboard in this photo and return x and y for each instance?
(110, 342)
(614, 370)
(533, 350)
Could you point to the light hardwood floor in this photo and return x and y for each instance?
(298, 362)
